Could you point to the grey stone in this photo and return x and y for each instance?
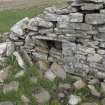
(61, 95)
(29, 42)
(87, 50)
(65, 86)
(95, 19)
(58, 70)
(63, 21)
(101, 52)
(19, 43)
(13, 36)
(3, 48)
(42, 65)
(25, 56)
(52, 9)
(63, 11)
(79, 84)
(102, 45)
(54, 51)
(100, 75)
(19, 59)
(94, 58)
(74, 100)
(76, 17)
(10, 48)
(32, 25)
(51, 17)
(91, 6)
(102, 11)
(43, 23)
(72, 9)
(101, 29)
(4, 73)
(39, 56)
(80, 26)
(20, 26)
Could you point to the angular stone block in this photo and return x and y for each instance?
(51, 17)
(63, 21)
(91, 6)
(76, 17)
(80, 26)
(95, 19)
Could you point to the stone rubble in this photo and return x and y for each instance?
(72, 36)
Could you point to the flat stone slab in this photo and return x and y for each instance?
(95, 19)
(91, 6)
(76, 17)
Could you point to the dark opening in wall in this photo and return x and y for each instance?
(48, 50)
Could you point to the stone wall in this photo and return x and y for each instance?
(73, 35)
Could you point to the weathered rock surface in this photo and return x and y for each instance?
(74, 100)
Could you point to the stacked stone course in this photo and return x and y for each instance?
(73, 36)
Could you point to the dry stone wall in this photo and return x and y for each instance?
(73, 36)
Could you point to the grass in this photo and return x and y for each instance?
(27, 87)
(10, 17)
